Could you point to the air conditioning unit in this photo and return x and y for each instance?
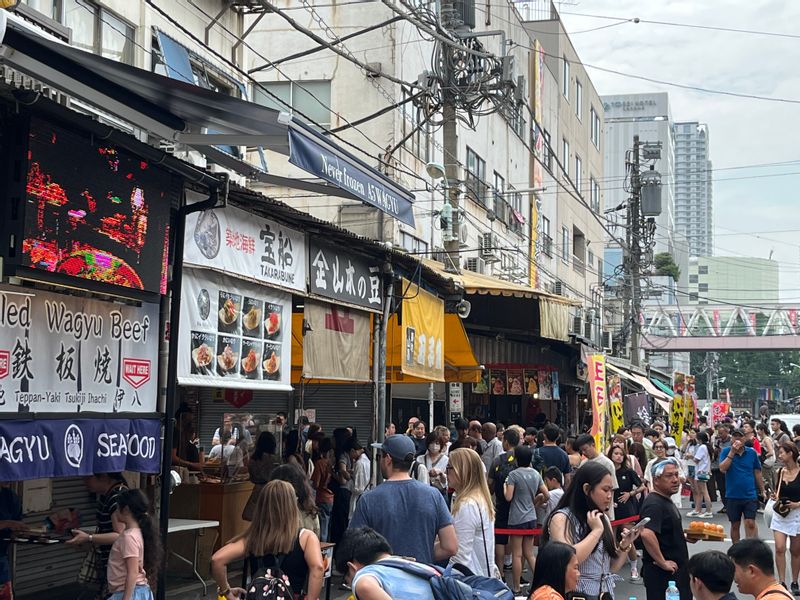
(608, 344)
(559, 289)
(463, 234)
(476, 265)
(490, 245)
(577, 324)
(520, 90)
(587, 329)
(439, 255)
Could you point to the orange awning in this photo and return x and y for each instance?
(460, 363)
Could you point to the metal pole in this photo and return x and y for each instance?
(450, 140)
(389, 292)
(634, 214)
(431, 400)
(172, 366)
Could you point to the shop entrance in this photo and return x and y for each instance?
(405, 408)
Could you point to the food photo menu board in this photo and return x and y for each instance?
(235, 333)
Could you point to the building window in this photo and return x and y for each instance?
(312, 98)
(94, 29)
(692, 278)
(565, 78)
(547, 241)
(548, 151)
(412, 243)
(578, 170)
(565, 236)
(578, 99)
(594, 193)
(565, 157)
(590, 259)
(419, 134)
(595, 127)
(703, 287)
(702, 269)
(500, 206)
(692, 296)
(476, 177)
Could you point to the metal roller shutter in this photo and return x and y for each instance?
(341, 405)
(39, 568)
(211, 411)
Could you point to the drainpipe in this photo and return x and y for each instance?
(217, 193)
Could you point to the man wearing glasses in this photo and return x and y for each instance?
(409, 514)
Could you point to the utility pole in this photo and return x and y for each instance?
(450, 144)
(633, 256)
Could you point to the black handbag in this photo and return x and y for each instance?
(782, 505)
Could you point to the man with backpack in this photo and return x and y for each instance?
(502, 466)
(409, 514)
(365, 557)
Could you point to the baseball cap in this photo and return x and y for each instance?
(737, 433)
(397, 446)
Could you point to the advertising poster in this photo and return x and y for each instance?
(690, 407)
(247, 246)
(676, 415)
(68, 354)
(423, 333)
(337, 344)
(234, 333)
(719, 410)
(597, 385)
(515, 382)
(556, 387)
(532, 383)
(498, 382)
(482, 387)
(545, 385)
(111, 227)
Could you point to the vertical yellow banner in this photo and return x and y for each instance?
(615, 404)
(597, 383)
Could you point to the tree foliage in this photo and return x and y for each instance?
(665, 265)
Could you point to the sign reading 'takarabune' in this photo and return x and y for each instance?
(72, 448)
(61, 353)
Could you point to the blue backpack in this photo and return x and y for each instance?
(452, 584)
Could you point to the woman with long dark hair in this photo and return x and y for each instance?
(295, 475)
(556, 572)
(260, 467)
(139, 539)
(273, 540)
(341, 483)
(580, 521)
(786, 529)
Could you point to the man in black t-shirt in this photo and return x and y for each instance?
(552, 455)
(665, 551)
(501, 467)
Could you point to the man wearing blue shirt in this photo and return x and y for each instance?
(743, 485)
(409, 514)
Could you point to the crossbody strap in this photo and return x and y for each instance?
(485, 551)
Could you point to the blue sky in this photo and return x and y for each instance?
(742, 131)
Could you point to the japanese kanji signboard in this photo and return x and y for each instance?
(61, 353)
(233, 333)
(337, 274)
(246, 245)
(423, 333)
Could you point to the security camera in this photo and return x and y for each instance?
(463, 308)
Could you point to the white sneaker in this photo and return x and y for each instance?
(692, 513)
(706, 515)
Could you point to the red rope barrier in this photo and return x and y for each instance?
(539, 530)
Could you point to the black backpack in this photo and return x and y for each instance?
(270, 583)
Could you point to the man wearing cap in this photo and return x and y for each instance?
(409, 514)
(743, 485)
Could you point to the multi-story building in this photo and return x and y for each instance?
(733, 279)
(571, 199)
(693, 187)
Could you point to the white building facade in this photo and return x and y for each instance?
(694, 214)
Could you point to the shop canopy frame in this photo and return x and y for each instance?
(641, 381)
(174, 109)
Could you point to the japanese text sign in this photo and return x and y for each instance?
(73, 448)
(246, 245)
(423, 333)
(233, 333)
(61, 353)
(597, 383)
(337, 274)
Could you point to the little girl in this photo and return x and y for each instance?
(136, 555)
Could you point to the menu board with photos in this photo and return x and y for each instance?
(236, 333)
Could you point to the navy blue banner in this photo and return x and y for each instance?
(350, 174)
(71, 448)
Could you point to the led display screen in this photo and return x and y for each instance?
(95, 211)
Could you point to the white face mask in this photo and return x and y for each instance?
(434, 448)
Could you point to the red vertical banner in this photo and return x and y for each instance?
(716, 323)
(793, 317)
(753, 322)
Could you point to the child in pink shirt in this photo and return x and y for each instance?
(136, 554)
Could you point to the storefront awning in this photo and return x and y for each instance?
(460, 363)
(176, 109)
(660, 397)
(664, 388)
(651, 389)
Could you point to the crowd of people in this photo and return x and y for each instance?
(485, 500)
